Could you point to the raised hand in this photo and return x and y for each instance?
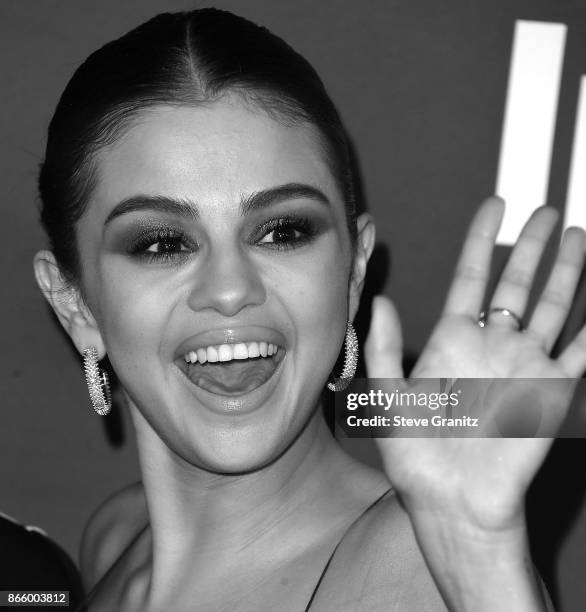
(465, 496)
(487, 478)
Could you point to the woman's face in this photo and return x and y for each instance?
(218, 233)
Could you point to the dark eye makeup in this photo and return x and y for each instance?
(160, 244)
(166, 242)
(288, 232)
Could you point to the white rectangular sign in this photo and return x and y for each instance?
(576, 204)
(529, 122)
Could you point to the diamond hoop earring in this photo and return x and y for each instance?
(350, 361)
(97, 382)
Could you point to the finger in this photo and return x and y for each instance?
(383, 350)
(556, 300)
(472, 271)
(512, 291)
(573, 358)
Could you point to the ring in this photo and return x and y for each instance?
(483, 318)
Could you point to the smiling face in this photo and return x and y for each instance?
(217, 233)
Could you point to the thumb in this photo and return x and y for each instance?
(383, 350)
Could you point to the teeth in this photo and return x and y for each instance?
(240, 351)
(228, 352)
(225, 352)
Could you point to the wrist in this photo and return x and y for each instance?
(478, 569)
(482, 512)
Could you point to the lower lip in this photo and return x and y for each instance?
(239, 404)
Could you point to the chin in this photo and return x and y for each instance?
(240, 452)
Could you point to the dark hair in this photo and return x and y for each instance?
(182, 58)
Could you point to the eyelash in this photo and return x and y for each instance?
(303, 228)
(301, 225)
(140, 245)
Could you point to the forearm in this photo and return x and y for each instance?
(476, 570)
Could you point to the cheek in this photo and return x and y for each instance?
(132, 314)
(135, 327)
(314, 292)
(325, 294)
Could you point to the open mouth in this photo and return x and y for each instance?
(233, 369)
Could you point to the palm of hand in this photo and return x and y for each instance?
(489, 475)
(459, 346)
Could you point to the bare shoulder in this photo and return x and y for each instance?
(109, 531)
(379, 566)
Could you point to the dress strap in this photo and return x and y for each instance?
(329, 561)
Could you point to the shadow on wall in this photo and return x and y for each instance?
(553, 504)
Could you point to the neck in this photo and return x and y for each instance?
(195, 514)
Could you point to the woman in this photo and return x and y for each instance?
(198, 196)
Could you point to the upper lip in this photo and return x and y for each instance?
(231, 335)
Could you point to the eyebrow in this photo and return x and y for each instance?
(290, 191)
(163, 204)
(248, 204)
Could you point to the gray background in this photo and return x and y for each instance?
(421, 85)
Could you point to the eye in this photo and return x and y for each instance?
(162, 245)
(282, 234)
(173, 244)
(286, 233)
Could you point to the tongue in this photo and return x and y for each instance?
(232, 377)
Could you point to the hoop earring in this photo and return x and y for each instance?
(350, 360)
(97, 382)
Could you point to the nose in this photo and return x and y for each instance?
(227, 282)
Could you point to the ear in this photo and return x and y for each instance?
(67, 303)
(364, 246)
